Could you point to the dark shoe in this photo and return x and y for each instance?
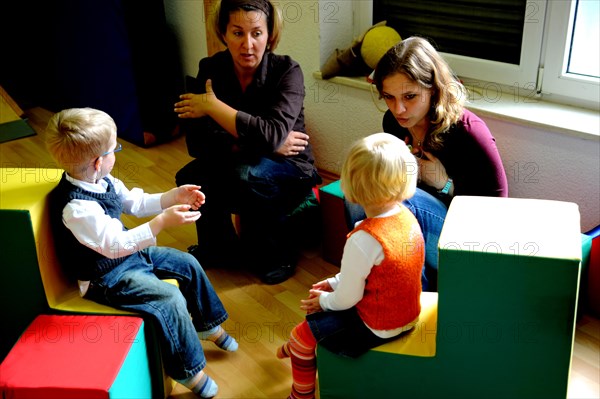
(278, 274)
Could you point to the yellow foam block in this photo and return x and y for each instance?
(420, 341)
(27, 189)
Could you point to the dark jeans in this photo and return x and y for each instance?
(262, 191)
(136, 285)
(343, 332)
(430, 213)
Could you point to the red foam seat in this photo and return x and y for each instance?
(78, 356)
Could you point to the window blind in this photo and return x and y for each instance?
(490, 29)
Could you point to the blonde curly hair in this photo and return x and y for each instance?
(379, 169)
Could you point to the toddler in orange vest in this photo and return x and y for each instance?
(376, 295)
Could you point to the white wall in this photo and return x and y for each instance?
(188, 22)
(550, 165)
(539, 163)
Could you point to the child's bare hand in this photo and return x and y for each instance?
(191, 195)
(175, 215)
(180, 214)
(187, 194)
(322, 286)
(311, 305)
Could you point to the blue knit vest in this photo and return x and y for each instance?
(79, 261)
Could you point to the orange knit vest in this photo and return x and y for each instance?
(393, 288)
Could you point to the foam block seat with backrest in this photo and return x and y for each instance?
(78, 356)
(592, 283)
(24, 192)
(334, 223)
(509, 274)
(22, 295)
(26, 189)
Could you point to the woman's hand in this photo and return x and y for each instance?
(207, 104)
(294, 144)
(196, 105)
(432, 171)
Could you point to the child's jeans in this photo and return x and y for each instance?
(343, 332)
(136, 285)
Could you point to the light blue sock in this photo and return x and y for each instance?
(220, 337)
(201, 384)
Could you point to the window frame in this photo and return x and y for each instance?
(541, 72)
(557, 81)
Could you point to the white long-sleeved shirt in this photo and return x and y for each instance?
(93, 228)
(362, 252)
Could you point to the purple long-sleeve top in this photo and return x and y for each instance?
(468, 153)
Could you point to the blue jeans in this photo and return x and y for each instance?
(136, 285)
(430, 213)
(263, 191)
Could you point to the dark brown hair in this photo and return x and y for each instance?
(224, 8)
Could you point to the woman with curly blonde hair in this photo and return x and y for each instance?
(456, 151)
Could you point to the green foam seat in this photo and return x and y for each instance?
(509, 273)
(334, 222)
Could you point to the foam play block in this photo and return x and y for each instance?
(593, 277)
(28, 253)
(509, 273)
(78, 356)
(22, 295)
(372, 372)
(333, 218)
(584, 283)
(26, 189)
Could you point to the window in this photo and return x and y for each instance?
(479, 29)
(550, 47)
(571, 70)
(584, 57)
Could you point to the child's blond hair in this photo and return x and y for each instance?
(379, 169)
(77, 136)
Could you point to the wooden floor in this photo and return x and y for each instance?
(261, 316)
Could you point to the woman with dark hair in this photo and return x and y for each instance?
(456, 151)
(248, 139)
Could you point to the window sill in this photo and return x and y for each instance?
(574, 121)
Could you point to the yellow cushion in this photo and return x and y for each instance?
(420, 341)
